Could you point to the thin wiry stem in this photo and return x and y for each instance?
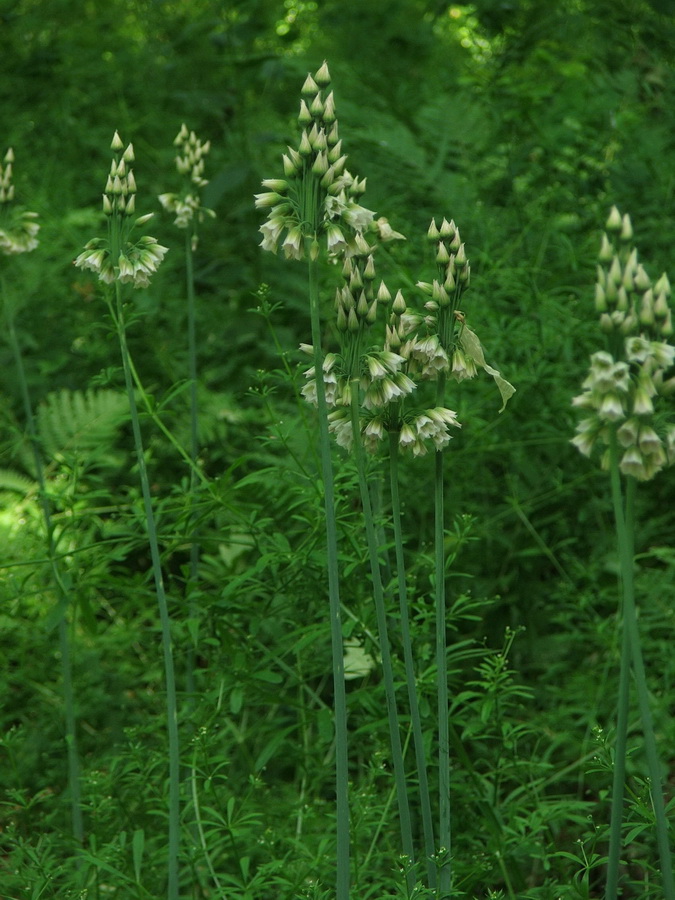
(387, 668)
(63, 594)
(444, 826)
(341, 755)
(194, 453)
(420, 754)
(631, 646)
(169, 672)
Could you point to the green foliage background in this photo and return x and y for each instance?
(523, 120)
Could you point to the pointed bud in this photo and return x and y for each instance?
(322, 76)
(289, 169)
(642, 280)
(329, 109)
(614, 222)
(383, 294)
(316, 107)
(626, 229)
(341, 320)
(647, 308)
(661, 308)
(371, 317)
(600, 300)
(666, 327)
(309, 88)
(433, 234)
(662, 286)
(332, 136)
(442, 255)
(352, 321)
(304, 116)
(606, 250)
(305, 148)
(116, 144)
(107, 205)
(369, 271)
(362, 306)
(399, 305)
(460, 258)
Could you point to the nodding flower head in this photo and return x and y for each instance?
(625, 387)
(186, 205)
(18, 228)
(117, 258)
(317, 196)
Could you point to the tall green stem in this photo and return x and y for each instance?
(418, 737)
(631, 647)
(169, 673)
(194, 451)
(444, 827)
(61, 589)
(341, 756)
(381, 614)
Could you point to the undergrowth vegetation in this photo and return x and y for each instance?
(272, 623)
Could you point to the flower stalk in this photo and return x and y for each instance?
(118, 261)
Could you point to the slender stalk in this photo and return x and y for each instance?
(381, 614)
(420, 755)
(444, 826)
(169, 672)
(631, 645)
(194, 452)
(341, 757)
(63, 594)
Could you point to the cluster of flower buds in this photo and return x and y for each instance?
(439, 351)
(625, 298)
(317, 195)
(116, 258)
(18, 228)
(620, 393)
(186, 206)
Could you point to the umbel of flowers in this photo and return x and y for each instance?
(18, 228)
(186, 205)
(625, 383)
(417, 347)
(117, 257)
(317, 197)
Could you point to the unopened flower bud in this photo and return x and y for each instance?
(647, 308)
(371, 316)
(433, 234)
(352, 321)
(305, 148)
(399, 304)
(322, 76)
(316, 108)
(442, 255)
(116, 144)
(460, 257)
(666, 327)
(626, 233)
(309, 88)
(304, 116)
(600, 299)
(661, 307)
(662, 286)
(642, 280)
(329, 109)
(606, 250)
(383, 294)
(614, 221)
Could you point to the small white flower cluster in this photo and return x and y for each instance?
(116, 258)
(18, 228)
(318, 195)
(186, 206)
(624, 295)
(620, 393)
(135, 265)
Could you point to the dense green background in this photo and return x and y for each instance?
(524, 120)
